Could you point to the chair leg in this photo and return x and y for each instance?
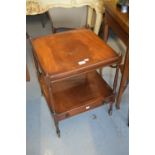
(42, 18)
(124, 79)
(98, 22)
(51, 21)
(89, 17)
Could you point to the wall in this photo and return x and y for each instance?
(69, 17)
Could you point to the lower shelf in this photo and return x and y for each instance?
(78, 94)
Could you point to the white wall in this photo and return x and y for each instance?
(69, 17)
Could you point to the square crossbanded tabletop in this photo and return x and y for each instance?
(70, 53)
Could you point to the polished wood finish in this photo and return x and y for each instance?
(119, 23)
(73, 95)
(66, 66)
(121, 18)
(68, 49)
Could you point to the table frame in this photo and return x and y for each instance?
(92, 95)
(122, 31)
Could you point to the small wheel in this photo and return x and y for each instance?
(110, 112)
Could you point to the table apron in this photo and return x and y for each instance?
(117, 28)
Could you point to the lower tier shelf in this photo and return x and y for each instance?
(78, 94)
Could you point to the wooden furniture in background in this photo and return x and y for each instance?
(66, 67)
(34, 7)
(119, 23)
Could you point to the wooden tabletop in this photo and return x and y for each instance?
(73, 52)
(122, 18)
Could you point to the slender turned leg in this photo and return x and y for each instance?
(125, 77)
(57, 126)
(106, 32)
(89, 17)
(51, 102)
(110, 108)
(98, 22)
(56, 123)
(38, 71)
(51, 21)
(42, 16)
(114, 89)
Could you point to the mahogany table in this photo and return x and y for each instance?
(66, 67)
(119, 23)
